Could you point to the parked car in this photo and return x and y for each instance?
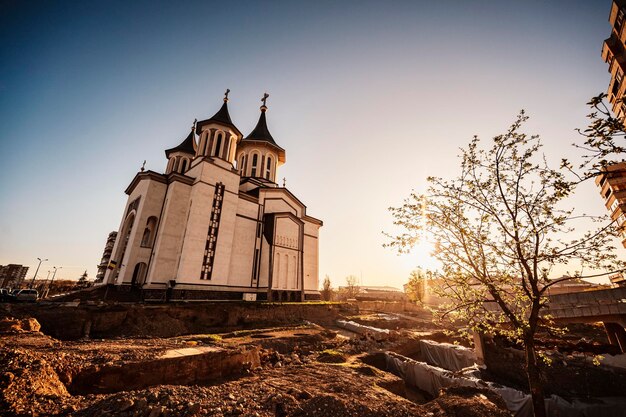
(26, 296)
(4, 295)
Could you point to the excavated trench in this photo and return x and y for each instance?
(193, 365)
(187, 366)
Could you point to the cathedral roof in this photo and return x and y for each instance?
(188, 145)
(262, 134)
(222, 117)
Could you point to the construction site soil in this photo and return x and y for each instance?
(223, 359)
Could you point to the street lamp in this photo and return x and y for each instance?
(53, 275)
(32, 282)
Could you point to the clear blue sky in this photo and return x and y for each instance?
(368, 98)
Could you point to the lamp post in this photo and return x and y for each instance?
(54, 275)
(32, 282)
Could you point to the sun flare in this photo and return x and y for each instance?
(420, 256)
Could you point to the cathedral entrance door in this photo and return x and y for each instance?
(139, 274)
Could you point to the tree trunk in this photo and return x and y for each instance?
(534, 378)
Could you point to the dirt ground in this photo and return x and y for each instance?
(304, 370)
(297, 369)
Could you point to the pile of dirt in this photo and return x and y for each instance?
(28, 384)
(331, 356)
(11, 325)
(467, 402)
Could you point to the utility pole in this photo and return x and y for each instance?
(32, 282)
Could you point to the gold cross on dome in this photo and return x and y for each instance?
(264, 99)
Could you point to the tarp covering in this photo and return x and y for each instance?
(446, 355)
(362, 329)
(615, 361)
(431, 379)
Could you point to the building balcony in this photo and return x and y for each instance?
(613, 47)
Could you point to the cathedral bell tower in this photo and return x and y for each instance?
(218, 136)
(258, 155)
(179, 158)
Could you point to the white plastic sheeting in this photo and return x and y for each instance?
(431, 379)
(446, 355)
(615, 361)
(362, 329)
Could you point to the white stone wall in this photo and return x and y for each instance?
(151, 194)
(170, 235)
(264, 273)
(197, 226)
(287, 271)
(242, 252)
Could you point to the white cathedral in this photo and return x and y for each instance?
(216, 225)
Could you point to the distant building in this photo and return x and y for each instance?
(612, 184)
(574, 285)
(379, 293)
(618, 280)
(106, 257)
(12, 275)
(614, 54)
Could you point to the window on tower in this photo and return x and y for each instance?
(268, 168)
(218, 145)
(255, 161)
(225, 149)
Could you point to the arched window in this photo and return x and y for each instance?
(139, 274)
(207, 145)
(255, 162)
(277, 263)
(148, 233)
(125, 235)
(218, 145)
(245, 165)
(295, 273)
(268, 167)
(286, 274)
(183, 167)
(202, 143)
(225, 149)
(241, 164)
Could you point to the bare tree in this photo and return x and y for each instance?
(352, 286)
(499, 228)
(327, 289)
